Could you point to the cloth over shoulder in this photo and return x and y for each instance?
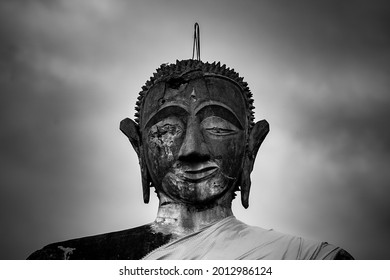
(233, 239)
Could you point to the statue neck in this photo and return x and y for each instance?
(180, 219)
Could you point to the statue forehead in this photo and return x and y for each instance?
(195, 90)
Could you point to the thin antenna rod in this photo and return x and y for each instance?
(196, 45)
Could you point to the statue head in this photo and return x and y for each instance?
(195, 135)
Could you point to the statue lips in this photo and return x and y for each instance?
(199, 171)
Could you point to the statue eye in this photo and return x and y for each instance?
(218, 126)
(219, 131)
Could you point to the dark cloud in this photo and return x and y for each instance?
(37, 142)
(333, 26)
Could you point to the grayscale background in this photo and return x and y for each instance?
(70, 71)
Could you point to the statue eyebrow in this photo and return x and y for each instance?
(226, 112)
(164, 112)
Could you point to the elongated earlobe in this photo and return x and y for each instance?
(245, 185)
(145, 181)
(256, 138)
(131, 130)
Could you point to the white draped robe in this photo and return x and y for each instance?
(232, 239)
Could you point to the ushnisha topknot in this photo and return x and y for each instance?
(183, 67)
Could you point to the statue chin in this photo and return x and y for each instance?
(196, 191)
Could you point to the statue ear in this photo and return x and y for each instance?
(256, 138)
(131, 130)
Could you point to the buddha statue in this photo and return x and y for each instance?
(196, 140)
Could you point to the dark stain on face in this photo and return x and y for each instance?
(176, 82)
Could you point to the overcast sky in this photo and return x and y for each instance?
(70, 71)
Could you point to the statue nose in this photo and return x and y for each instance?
(193, 147)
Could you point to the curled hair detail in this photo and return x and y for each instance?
(183, 67)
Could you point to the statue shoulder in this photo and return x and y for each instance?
(130, 244)
(52, 252)
(343, 255)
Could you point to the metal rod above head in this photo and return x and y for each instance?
(196, 45)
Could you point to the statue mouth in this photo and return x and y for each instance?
(199, 172)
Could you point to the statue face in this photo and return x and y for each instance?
(194, 136)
